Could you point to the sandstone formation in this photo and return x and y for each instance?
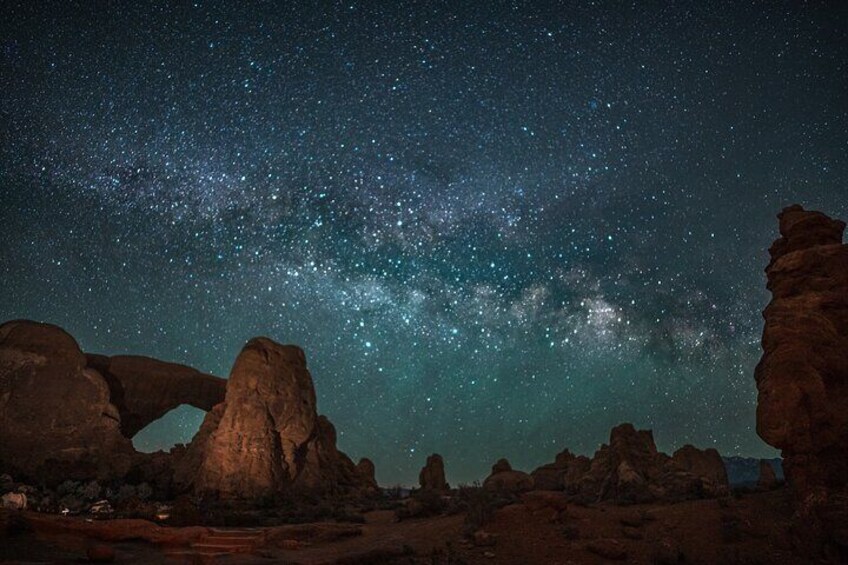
(767, 480)
(267, 438)
(802, 378)
(145, 389)
(432, 475)
(65, 415)
(56, 418)
(630, 470)
(563, 474)
(505, 479)
(707, 466)
(367, 473)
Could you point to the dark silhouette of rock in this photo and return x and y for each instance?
(367, 472)
(267, 438)
(802, 378)
(767, 480)
(145, 389)
(563, 474)
(56, 418)
(505, 479)
(706, 465)
(432, 475)
(630, 470)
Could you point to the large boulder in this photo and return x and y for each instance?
(505, 479)
(707, 465)
(145, 389)
(57, 421)
(432, 475)
(563, 474)
(267, 438)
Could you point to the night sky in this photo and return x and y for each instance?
(497, 229)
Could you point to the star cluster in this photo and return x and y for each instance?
(497, 229)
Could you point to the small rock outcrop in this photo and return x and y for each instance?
(432, 475)
(563, 474)
(768, 479)
(144, 389)
(367, 473)
(267, 438)
(630, 470)
(707, 466)
(802, 378)
(56, 418)
(505, 479)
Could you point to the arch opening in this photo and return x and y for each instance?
(176, 426)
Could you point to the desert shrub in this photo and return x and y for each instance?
(480, 505)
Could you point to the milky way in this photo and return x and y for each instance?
(497, 230)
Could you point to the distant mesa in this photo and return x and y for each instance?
(65, 415)
(802, 377)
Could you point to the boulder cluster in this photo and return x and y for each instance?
(802, 378)
(630, 470)
(68, 416)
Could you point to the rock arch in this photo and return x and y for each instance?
(144, 389)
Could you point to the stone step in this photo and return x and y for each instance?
(221, 547)
(236, 538)
(189, 556)
(227, 541)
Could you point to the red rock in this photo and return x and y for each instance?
(100, 554)
(432, 475)
(145, 389)
(802, 378)
(56, 418)
(366, 471)
(505, 479)
(563, 474)
(707, 465)
(267, 437)
(631, 470)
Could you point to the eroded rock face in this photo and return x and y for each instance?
(563, 474)
(630, 470)
(267, 438)
(145, 389)
(802, 378)
(56, 418)
(432, 475)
